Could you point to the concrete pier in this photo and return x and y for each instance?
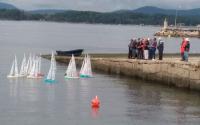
(170, 71)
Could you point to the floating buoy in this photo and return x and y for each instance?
(95, 103)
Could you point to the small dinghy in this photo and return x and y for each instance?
(86, 69)
(51, 74)
(71, 72)
(14, 70)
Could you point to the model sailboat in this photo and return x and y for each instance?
(35, 69)
(71, 71)
(51, 74)
(86, 69)
(14, 69)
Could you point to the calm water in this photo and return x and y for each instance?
(123, 101)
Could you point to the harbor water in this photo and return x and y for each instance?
(123, 100)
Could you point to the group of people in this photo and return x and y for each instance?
(145, 48)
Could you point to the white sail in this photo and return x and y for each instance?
(16, 67)
(23, 67)
(32, 72)
(71, 71)
(29, 65)
(86, 70)
(89, 67)
(83, 65)
(52, 70)
(39, 64)
(12, 70)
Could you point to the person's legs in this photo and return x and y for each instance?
(186, 56)
(129, 53)
(160, 55)
(134, 53)
(154, 53)
(182, 56)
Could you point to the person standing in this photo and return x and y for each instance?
(140, 49)
(182, 49)
(160, 48)
(134, 47)
(130, 49)
(146, 48)
(151, 49)
(154, 45)
(187, 49)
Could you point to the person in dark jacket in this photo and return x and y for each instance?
(140, 49)
(134, 48)
(160, 48)
(130, 49)
(154, 45)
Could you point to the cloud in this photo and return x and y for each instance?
(102, 5)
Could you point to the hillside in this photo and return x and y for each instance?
(156, 10)
(6, 6)
(146, 15)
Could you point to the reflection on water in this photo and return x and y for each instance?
(157, 102)
(95, 112)
(13, 87)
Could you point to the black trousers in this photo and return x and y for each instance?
(160, 53)
(130, 53)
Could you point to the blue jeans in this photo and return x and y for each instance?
(186, 56)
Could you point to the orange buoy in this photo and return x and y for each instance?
(95, 102)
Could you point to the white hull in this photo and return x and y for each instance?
(33, 77)
(9, 76)
(67, 77)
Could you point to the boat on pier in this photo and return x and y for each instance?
(76, 52)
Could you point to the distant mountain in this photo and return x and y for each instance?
(46, 11)
(7, 6)
(156, 10)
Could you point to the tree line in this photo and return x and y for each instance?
(126, 17)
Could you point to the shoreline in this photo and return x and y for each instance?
(170, 71)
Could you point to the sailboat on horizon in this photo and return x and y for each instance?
(71, 72)
(52, 71)
(14, 70)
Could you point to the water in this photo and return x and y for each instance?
(123, 100)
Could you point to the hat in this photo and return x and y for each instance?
(187, 39)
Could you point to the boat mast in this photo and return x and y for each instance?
(176, 19)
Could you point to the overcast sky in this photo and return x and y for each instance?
(102, 5)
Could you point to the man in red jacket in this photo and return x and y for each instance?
(182, 49)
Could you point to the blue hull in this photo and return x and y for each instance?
(85, 76)
(49, 81)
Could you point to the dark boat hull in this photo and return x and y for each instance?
(76, 52)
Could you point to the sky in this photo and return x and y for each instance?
(102, 5)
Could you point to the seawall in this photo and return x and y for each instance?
(170, 71)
